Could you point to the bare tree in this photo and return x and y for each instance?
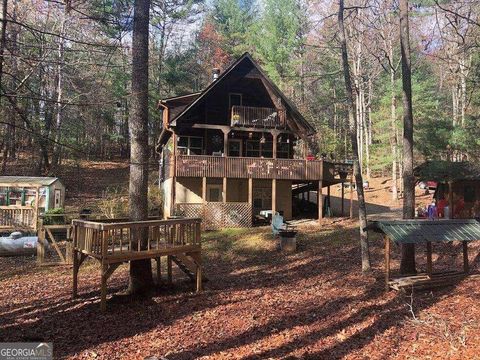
(140, 270)
(407, 264)
(362, 210)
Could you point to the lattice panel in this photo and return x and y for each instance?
(190, 210)
(217, 215)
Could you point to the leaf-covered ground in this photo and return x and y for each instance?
(258, 304)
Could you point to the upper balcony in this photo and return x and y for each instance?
(262, 117)
(258, 168)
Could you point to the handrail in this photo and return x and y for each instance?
(109, 224)
(257, 116)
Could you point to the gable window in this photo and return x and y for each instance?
(234, 99)
(190, 145)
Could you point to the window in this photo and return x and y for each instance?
(253, 148)
(283, 150)
(214, 193)
(267, 149)
(234, 99)
(190, 145)
(234, 147)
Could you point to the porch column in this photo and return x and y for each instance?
(250, 192)
(204, 189)
(328, 197)
(225, 141)
(224, 188)
(275, 134)
(274, 196)
(320, 200)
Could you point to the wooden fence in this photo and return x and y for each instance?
(16, 217)
(217, 215)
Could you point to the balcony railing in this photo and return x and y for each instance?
(256, 168)
(249, 116)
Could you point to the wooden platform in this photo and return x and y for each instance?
(113, 243)
(424, 281)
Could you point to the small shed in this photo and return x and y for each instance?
(22, 198)
(458, 186)
(426, 232)
(20, 190)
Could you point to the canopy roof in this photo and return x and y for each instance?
(26, 180)
(439, 170)
(421, 231)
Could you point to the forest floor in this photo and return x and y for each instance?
(258, 302)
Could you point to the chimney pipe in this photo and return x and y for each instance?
(215, 73)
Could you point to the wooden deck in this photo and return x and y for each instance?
(256, 168)
(17, 217)
(112, 243)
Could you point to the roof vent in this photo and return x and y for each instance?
(215, 73)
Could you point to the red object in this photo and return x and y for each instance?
(310, 157)
(441, 207)
(431, 184)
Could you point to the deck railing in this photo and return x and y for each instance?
(16, 217)
(111, 240)
(264, 117)
(256, 168)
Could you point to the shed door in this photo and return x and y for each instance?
(58, 198)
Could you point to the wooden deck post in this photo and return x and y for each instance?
(387, 262)
(75, 274)
(103, 289)
(320, 200)
(41, 242)
(169, 269)
(328, 201)
(225, 142)
(159, 270)
(429, 258)
(466, 267)
(343, 200)
(204, 189)
(274, 196)
(224, 188)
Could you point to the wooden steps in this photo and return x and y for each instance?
(188, 266)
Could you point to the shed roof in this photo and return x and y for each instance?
(27, 180)
(421, 231)
(440, 170)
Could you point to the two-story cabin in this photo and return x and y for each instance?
(237, 148)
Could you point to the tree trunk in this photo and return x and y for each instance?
(59, 107)
(393, 137)
(362, 211)
(140, 270)
(407, 264)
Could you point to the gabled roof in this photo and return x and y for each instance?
(31, 180)
(298, 118)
